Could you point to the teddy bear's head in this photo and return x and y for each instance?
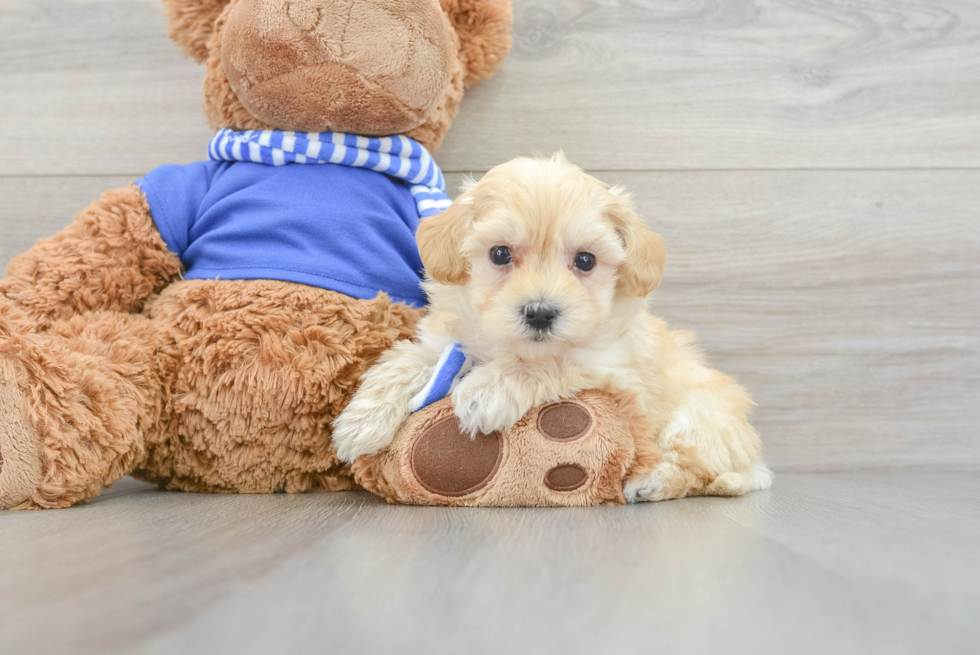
(368, 67)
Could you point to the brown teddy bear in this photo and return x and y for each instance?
(203, 327)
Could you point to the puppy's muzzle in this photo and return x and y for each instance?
(540, 316)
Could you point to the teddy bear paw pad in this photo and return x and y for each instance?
(565, 477)
(449, 463)
(564, 421)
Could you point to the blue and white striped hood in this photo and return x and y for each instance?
(396, 156)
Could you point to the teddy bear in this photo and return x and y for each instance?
(202, 328)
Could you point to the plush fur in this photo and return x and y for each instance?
(546, 212)
(378, 68)
(111, 364)
(218, 386)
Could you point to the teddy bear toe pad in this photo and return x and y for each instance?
(449, 463)
(565, 477)
(565, 421)
(570, 453)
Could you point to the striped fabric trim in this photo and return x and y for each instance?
(397, 156)
(453, 365)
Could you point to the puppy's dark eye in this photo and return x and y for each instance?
(500, 255)
(585, 261)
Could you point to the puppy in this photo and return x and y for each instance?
(541, 274)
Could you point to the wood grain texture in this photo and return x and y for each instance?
(37, 207)
(876, 562)
(94, 87)
(847, 302)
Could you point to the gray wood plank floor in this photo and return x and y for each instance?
(869, 562)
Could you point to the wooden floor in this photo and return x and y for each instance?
(831, 563)
(815, 168)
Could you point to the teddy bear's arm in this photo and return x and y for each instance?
(111, 257)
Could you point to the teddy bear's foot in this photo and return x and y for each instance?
(570, 453)
(20, 449)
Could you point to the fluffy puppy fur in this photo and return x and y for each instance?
(562, 308)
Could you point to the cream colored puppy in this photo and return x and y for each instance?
(542, 274)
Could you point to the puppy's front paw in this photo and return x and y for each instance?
(361, 430)
(483, 404)
(645, 488)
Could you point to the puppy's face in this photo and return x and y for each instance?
(541, 253)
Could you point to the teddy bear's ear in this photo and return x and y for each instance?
(483, 27)
(191, 22)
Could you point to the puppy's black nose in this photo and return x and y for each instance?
(540, 316)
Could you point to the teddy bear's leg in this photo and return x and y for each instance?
(78, 405)
(571, 453)
(264, 367)
(111, 257)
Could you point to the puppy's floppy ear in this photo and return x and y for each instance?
(646, 254)
(440, 240)
(191, 22)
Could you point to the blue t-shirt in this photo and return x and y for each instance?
(350, 230)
